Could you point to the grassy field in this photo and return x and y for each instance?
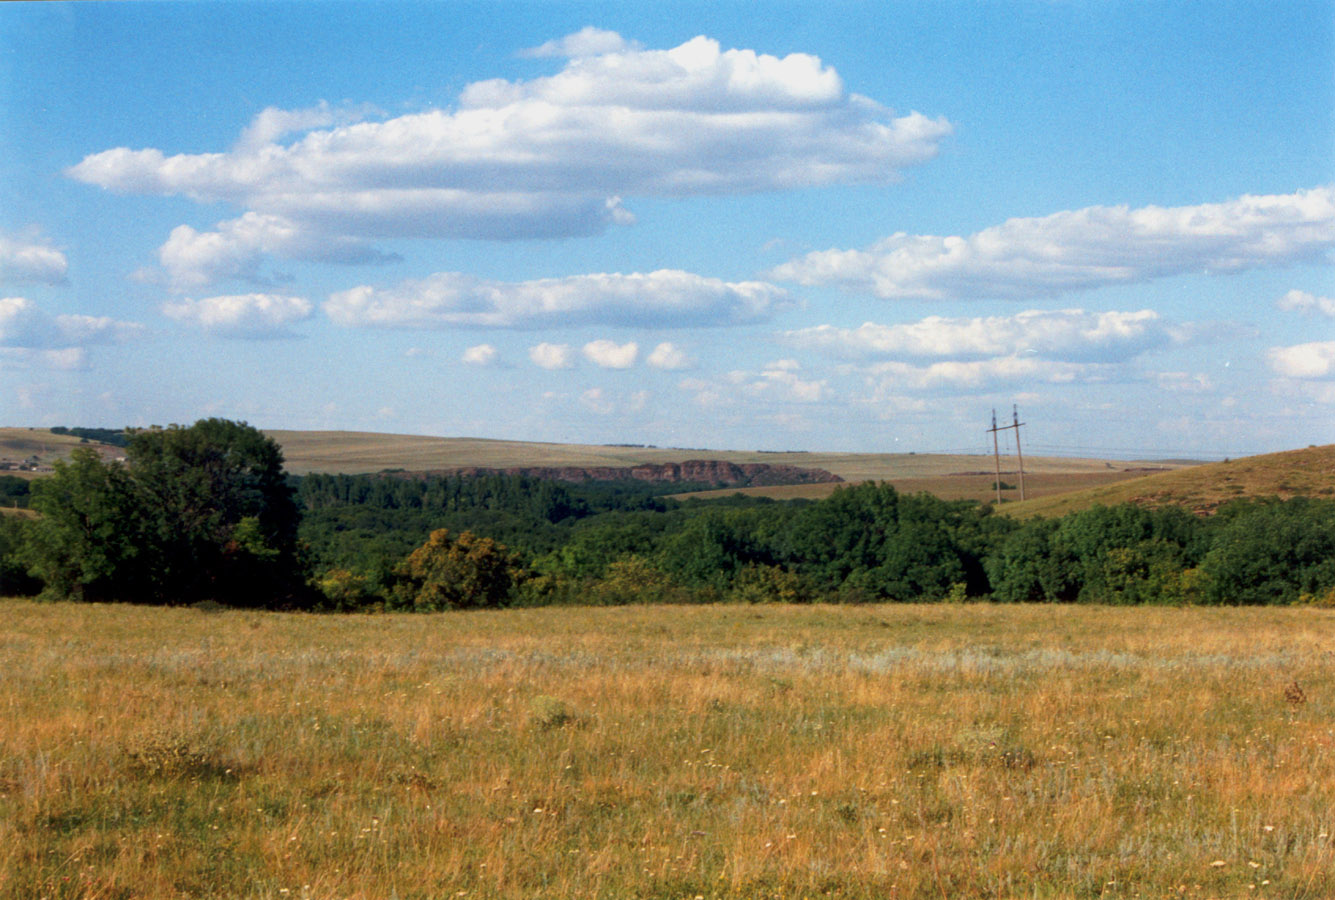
(863, 752)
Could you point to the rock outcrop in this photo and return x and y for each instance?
(694, 471)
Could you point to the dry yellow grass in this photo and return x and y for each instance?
(886, 752)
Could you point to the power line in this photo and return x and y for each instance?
(996, 452)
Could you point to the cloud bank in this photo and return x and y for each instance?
(665, 298)
(1082, 249)
(547, 157)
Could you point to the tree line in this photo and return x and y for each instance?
(206, 513)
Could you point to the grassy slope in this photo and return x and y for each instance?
(667, 752)
(1309, 472)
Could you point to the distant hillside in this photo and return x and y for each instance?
(1203, 488)
(352, 452)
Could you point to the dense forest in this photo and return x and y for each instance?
(205, 513)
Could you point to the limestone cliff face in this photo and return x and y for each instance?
(693, 471)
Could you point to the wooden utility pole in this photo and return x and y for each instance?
(1015, 418)
(996, 456)
(996, 450)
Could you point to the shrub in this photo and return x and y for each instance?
(455, 573)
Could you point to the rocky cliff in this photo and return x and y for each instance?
(694, 471)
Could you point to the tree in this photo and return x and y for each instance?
(461, 572)
(1271, 552)
(89, 541)
(198, 513)
(220, 516)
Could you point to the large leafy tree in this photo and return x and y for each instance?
(220, 516)
(201, 512)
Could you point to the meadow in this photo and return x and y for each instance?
(893, 751)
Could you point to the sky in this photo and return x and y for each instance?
(725, 225)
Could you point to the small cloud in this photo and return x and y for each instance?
(31, 259)
(551, 356)
(246, 316)
(668, 356)
(595, 400)
(66, 359)
(588, 41)
(1184, 382)
(480, 355)
(1302, 301)
(24, 325)
(610, 355)
(1314, 360)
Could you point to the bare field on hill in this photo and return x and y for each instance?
(668, 752)
(356, 452)
(18, 444)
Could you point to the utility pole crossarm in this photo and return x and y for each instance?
(996, 450)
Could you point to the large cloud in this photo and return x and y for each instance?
(550, 156)
(242, 315)
(25, 259)
(1084, 248)
(1068, 334)
(662, 298)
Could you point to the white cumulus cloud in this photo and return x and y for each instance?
(546, 157)
(28, 259)
(1072, 334)
(242, 315)
(236, 248)
(668, 356)
(480, 355)
(611, 355)
(1302, 301)
(662, 298)
(1084, 248)
(1313, 360)
(552, 356)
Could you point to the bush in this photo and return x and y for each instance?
(455, 573)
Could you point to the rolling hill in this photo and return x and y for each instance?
(1309, 472)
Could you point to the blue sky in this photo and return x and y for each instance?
(844, 226)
